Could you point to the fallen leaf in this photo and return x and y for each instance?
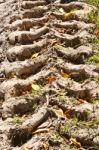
(41, 131)
(45, 146)
(97, 32)
(75, 142)
(25, 148)
(62, 30)
(61, 10)
(68, 16)
(58, 112)
(35, 87)
(54, 42)
(67, 113)
(35, 55)
(51, 17)
(51, 79)
(81, 101)
(64, 74)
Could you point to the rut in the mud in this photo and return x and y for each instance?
(47, 90)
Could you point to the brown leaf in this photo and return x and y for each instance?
(67, 113)
(62, 30)
(73, 141)
(45, 146)
(51, 79)
(81, 101)
(55, 42)
(97, 32)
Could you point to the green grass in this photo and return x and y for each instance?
(94, 18)
(35, 106)
(94, 2)
(93, 59)
(17, 119)
(55, 137)
(94, 15)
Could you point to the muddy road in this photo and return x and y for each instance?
(49, 94)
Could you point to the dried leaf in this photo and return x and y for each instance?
(68, 15)
(25, 148)
(62, 30)
(51, 79)
(64, 74)
(54, 42)
(75, 142)
(81, 101)
(67, 113)
(35, 87)
(45, 146)
(59, 112)
(97, 32)
(61, 10)
(35, 55)
(51, 17)
(41, 131)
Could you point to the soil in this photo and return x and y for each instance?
(49, 95)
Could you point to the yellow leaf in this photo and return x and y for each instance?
(35, 55)
(35, 87)
(58, 112)
(64, 74)
(61, 10)
(75, 142)
(68, 16)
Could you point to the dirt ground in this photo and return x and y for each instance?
(49, 92)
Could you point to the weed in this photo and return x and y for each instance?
(35, 106)
(97, 79)
(94, 3)
(75, 118)
(62, 99)
(89, 124)
(96, 101)
(55, 137)
(36, 89)
(94, 40)
(36, 92)
(93, 59)
(93, 17)
(67, 127)
(17, 119)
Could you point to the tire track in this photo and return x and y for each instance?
(46, 47)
